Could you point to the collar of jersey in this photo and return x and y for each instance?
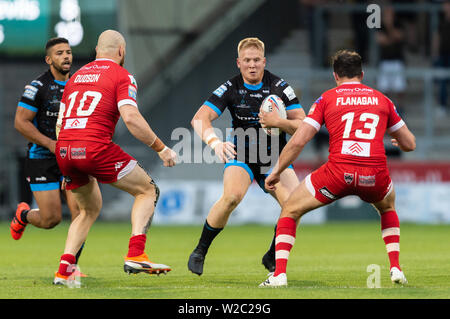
(104, 59)
(355, 82)
(253, 87)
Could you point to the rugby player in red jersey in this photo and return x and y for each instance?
(357, 117)
(93, 100)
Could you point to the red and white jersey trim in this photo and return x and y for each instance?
(396, 126)
(312, 122)
(126, 102)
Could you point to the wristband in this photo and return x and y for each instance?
(165, 148)
(214, 143)
(210, 138)
(157, 145)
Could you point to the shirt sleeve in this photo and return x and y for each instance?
(31, 96)
(126, 90)
(316, 113)
(218, 101)
(394, 121)
(287, 94)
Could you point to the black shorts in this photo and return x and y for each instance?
(256, 172)
(42, 174)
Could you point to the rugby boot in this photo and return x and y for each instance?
(397, 276)
(196, 261)
(272, 281)
(71, 281)
(141, 263)
(17, 226)
(268, 261)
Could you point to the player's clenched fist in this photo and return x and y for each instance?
(168, 156)
(271, 181)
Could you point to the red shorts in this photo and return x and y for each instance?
(333, 181)
(79, 159)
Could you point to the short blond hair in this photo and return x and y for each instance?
(250, 42)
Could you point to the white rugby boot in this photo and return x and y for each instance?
(397, 276)
(272, 281)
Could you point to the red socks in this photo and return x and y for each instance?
(67, 265)
(136, 245)
(390, 231)
(284, 240)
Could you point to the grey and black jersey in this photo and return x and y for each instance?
(43, 96)
(244, 101)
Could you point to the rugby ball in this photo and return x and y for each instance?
(270, 103)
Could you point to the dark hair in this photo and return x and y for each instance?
(347, 63)
(54, 41)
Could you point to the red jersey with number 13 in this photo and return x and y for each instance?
(91, 101)
(357, 118)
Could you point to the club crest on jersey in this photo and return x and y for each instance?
(348, 178)
(63, 152)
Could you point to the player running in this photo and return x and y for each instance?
(94, 99)
(35, 119)
(357, 118)
(243, 95)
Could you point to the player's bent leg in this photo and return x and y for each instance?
(145, 191)
(390, 232)
(236, 181)
(299, 203)
(49, 213)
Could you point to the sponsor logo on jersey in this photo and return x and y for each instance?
(52, 114)
(87, 78)
(78, 153)
(220, 90)
(63, 152)
(354, 91)
(360, 100)
(325, 192)
(366, 181)
(41, 179)
(258, 95)
(356, 148)
(289, 92)
(76, 123)
(30, 92)
(348, 178)
(281, 83)
(37, 83)
(118, 165)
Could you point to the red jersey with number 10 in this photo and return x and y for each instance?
(357, 118)
(89, 108)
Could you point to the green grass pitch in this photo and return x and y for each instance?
(327, 262)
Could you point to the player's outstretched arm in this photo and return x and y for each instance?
(404, 139)
(141, 130)
(23, 122)
(202, 124)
